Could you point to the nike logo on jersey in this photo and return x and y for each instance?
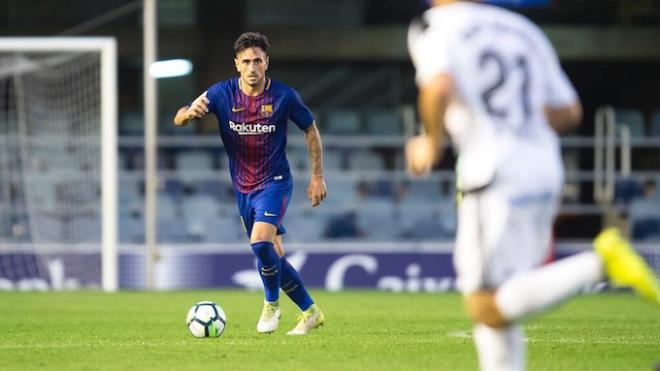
(266, 213)
(237, 109)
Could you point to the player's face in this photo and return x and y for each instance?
(252, 64)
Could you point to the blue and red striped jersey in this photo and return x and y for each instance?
(254, 130)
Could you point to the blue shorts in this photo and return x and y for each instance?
(265, 205)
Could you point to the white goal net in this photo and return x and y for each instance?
(58, 163)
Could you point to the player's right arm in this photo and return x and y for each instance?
(423, 151)
(197, 109)
(564, 118)
(428, 50)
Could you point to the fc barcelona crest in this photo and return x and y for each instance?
(266, 110)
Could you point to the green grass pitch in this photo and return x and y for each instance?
(366, 330)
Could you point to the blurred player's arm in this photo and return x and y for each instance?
(317, 190)
(197, 109)
(423, 151)
(564, 118)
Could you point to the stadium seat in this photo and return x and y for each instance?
(131, 123)
(399, 161)
(365, 160)
(299, 194)
(220, 190)
(196, 211)
(84, 228)
(128, 158)
(655, 123)
(644, 214)
(166, 205)
(171, 229)
(646, 229)
(626, 190)
(333, 159)
(415, 208)
(384, 188)
(163, 160)
(124, 160)
(448, 218)
(194, 160)
(633, 119)
(341, 191)
(76, 192)
(644, 218)
(298, 157)
(376, 216)
(343, 225)
(421, 190)
(303, 225)
(173, 187)
(422, 219)
(342, 122)
(225, 228)
(131, 229)
(384, 122)
(45, 191)
(166, 127)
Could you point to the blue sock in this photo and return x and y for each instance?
(293, 286)
(269, 265)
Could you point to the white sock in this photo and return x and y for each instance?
(538, 289)
(500, 349)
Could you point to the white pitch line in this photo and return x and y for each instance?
(460, 334)
(468, 335)
(69, 345)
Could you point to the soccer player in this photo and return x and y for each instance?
(253, 111)
(490, 79)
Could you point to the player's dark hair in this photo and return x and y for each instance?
(250, 40)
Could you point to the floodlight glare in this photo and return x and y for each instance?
(171, 68)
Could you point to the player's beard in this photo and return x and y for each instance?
(254, 81)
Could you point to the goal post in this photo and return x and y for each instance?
(55, 52)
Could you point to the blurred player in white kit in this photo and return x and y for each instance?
(490, 79)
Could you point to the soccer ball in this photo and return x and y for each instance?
(206, 319)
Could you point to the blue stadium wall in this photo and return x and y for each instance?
(394, 267)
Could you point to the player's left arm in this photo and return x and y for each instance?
(424, 150)
(317, 190)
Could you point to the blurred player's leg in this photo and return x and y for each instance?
(500, 349)
(625, 267)
(504, 232)
(542, 288)
(539, 289)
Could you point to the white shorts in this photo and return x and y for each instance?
(506, 228)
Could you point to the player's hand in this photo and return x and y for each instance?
(317, 190)
(420, 155)
(198, 108)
